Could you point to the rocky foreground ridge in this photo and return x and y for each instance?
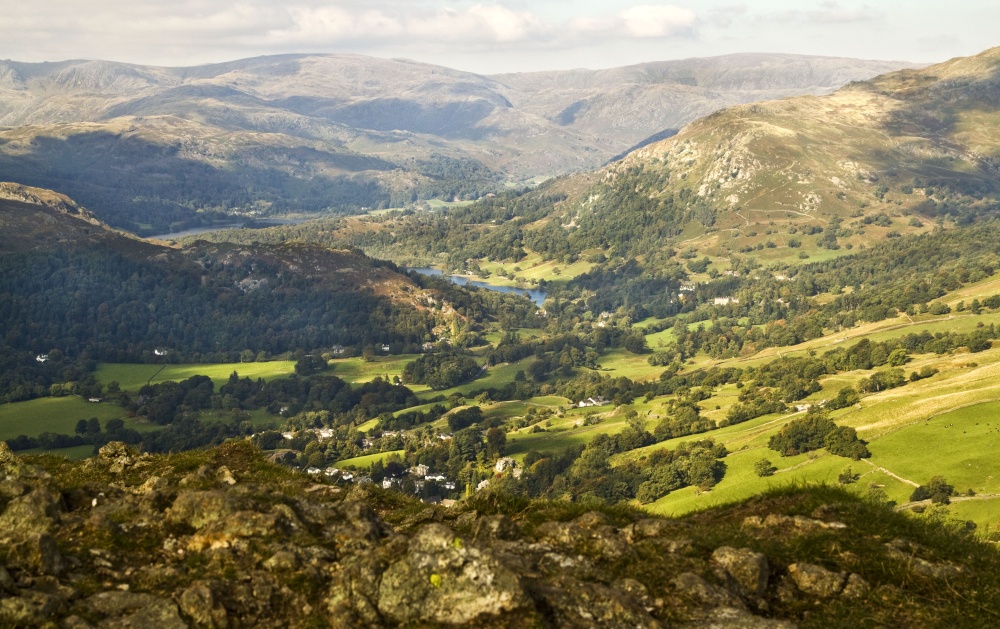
(223, 538)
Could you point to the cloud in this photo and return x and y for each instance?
(477, 25)
(658, 21)
(830, 13)
(195, 31)
(645, 21)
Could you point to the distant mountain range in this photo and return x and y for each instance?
(147, 148)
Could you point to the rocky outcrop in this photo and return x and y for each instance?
(131, 540)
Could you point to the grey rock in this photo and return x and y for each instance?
(582, 604)
(856, 587)
(198, 603)
(30, 514)
(817, 580)
(496, 527)
(644, 529)
(200, 508)
(30, 609)
(116, 456)
(797, 524)
(128, 610)
(586, 534)
(906, 551)
(6, 582)
(443, 580)
(282, 561)
(748, 569)
(735, 618)
(694, 588)
(7, 456)
(36, 554)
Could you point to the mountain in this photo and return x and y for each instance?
(875, 159)
(148, 146)
(782, 181)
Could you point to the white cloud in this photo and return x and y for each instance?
(830, 13)
(658, 21)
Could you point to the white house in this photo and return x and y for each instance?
(483, 484)
(42, 358)
(592, 401)
(337, 350)
(420, 470)
(435, 477)
(160, 352)
(723, 301)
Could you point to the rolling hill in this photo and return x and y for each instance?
(784, 181)
(150, 146)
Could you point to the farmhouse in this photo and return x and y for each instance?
(592, 401)
(160, 352)
(42, 358)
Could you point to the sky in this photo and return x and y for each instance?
(492, 37)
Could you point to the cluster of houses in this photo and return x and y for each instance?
(420, 474)
(322, 434)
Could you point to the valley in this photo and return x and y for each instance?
(779, 322)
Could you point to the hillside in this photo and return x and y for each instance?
(72, 284)
(223, 538)
(149, 145)
(882, 157)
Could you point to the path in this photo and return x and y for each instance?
(892, 474)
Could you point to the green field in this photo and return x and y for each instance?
(362, 462)
(964, 451)
(494, 377)
(357, 370)
(131, 377)
(54, 414)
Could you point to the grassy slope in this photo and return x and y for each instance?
(55, 414)
(131, 376)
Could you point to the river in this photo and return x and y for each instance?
(534, 294)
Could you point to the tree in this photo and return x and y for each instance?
(848, 476)
(843, 441)
(496, 443)
(937, 490)
(764, 468)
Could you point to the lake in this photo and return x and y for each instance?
(261, 222)
(535, 295)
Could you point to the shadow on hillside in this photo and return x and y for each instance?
(150, 188)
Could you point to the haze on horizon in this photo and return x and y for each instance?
(493, 37)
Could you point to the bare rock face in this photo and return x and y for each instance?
(442, 580)
(748, 569)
